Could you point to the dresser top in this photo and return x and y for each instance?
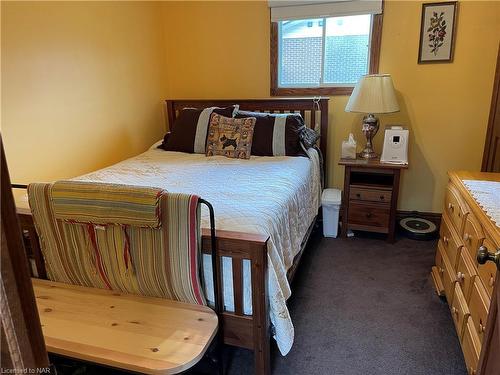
(483, 176)
(458, 177)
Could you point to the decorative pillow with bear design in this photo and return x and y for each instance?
(230, 137)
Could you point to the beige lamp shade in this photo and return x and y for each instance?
(373, 93)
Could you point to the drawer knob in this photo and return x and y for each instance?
(491, 282)
(358, 195)
(482, 328)
(467, 237)
(450, 207)
(369, 215)
(460, 277)
(454, 310)
(483, 256)
(382, 197)
(445, 240)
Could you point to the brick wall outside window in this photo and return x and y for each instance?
(346, 59)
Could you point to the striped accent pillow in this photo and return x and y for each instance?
(189, 131)
(276, 134)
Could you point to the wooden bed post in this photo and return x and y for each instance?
(260, 303)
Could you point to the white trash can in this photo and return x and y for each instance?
(330, 201)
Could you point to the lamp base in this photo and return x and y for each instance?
(368, 154)
(370, 128)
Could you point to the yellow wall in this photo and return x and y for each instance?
(221, 50)
(81, 85)
(217, 49)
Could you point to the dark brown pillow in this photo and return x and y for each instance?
(189, 130)
(230, 137)
(276, 134)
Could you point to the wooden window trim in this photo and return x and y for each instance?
(376, 40)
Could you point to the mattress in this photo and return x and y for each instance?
(274, 196)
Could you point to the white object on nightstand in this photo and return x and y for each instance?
(395, 149)
(330, 201)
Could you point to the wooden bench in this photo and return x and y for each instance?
(143, 334)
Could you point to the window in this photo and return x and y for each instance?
(323, 56)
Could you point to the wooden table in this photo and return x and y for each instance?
(142, 334)
(370, 196)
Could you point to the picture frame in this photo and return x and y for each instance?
(437, 32)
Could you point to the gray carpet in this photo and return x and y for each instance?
(362, 306)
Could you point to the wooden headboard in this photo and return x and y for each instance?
(314, 111)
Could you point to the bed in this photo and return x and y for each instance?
(265, 209)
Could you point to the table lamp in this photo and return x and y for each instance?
(373, 94)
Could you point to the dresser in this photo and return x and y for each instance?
(466, 285)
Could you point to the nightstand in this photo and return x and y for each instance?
(370, 196)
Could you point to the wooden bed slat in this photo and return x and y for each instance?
(317, 124)
(238, 285)
(307, 118)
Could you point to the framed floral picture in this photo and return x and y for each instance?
(437, 32)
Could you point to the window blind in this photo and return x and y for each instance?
(282, 10)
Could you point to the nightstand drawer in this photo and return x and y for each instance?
(372, 195)
(369, 214)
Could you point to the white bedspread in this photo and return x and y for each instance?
(276, 196)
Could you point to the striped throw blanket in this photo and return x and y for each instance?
(131, 239)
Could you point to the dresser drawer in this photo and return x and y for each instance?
(459, 310)
(447, 274)
(466, 272)
(369, 214)
(451, 243)
(488, 271)
(479, 305)
(371, 195)
(437, 273)
(456, 209)
(473, 235)
(471, 347)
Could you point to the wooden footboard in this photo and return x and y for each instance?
(246, 331)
